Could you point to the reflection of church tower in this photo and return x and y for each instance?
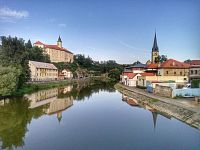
(154, 114)
(59, 116)
(155, 51)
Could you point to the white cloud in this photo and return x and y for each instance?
(8, 15)
(62, 25)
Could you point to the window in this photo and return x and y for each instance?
(191, 71)
(195, 71)
(167, 72)
(175, 72)
(181, 73)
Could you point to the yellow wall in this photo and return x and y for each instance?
(178, 79)
(40, 74)
(173, 72)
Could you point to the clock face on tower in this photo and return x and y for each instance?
(155, 53)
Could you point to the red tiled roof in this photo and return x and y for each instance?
(171, 63)
(195, 62)
(57, 48)
(129, 74)
(39, 43)
(152, 66)
(147, 74)
(52, 47)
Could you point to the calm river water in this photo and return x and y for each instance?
(89, 118)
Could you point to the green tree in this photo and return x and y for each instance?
(114, 74)
(37, 54)
(162, 58)
(9, 78)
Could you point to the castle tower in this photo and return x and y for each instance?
(155, 51)
(59, 42)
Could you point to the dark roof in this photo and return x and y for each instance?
(137, 66)
(155, 45)
(59, 39)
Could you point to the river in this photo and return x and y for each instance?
(92, 117)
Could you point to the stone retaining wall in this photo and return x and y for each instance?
(185, 115)
(164, 91)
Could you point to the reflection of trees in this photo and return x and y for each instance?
(80, 92)
(14, 117)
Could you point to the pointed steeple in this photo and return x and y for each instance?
(59, 42)
(155, 45)
(59, 39)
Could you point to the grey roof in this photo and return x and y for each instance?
(137, 66)
(155, 45)
(43, 65)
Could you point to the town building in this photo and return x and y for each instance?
(173, 67)
(56, 52)
(42, 71)
(67, 74)
(194, 72)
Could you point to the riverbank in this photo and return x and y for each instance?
(171, 107)
(36, 86)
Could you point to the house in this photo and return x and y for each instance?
(194, 72)
(56, 52)
(42, 71)
(170, 71)
(67, 74)
(173, 67)
(131, 79)
(137, 68)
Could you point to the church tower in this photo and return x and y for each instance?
(59, 42)
(155, 51)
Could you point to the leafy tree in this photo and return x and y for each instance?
(137, 62)
(162, 58)
(14, 53)
(187, 61)
(37, 54)
(9, 78)
(114, 74)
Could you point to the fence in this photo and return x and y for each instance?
(190, 92)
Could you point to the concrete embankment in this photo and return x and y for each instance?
(167, 106)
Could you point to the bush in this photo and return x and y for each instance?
(195, 83)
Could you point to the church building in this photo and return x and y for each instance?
(56, 52)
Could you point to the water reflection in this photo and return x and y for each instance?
(135, 103)
(17, 113)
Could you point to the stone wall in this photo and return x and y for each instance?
(164, 91)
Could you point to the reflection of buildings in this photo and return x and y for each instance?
(50, 99)
(4, 101)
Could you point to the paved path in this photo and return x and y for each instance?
(178, 102)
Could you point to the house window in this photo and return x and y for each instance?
(181, 73)
(175, 72)
(191, 71)
(195, 71)
(185, 79)
(167, 72)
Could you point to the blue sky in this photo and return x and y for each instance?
(120, 30)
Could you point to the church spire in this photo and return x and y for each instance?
(59, 42)
(155, 45)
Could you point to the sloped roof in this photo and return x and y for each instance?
(137, 66)
(194, 63)
(52, 47)
(152, 66)
(43, 65)
(171, 63)
(147, 74)
(129, 74)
